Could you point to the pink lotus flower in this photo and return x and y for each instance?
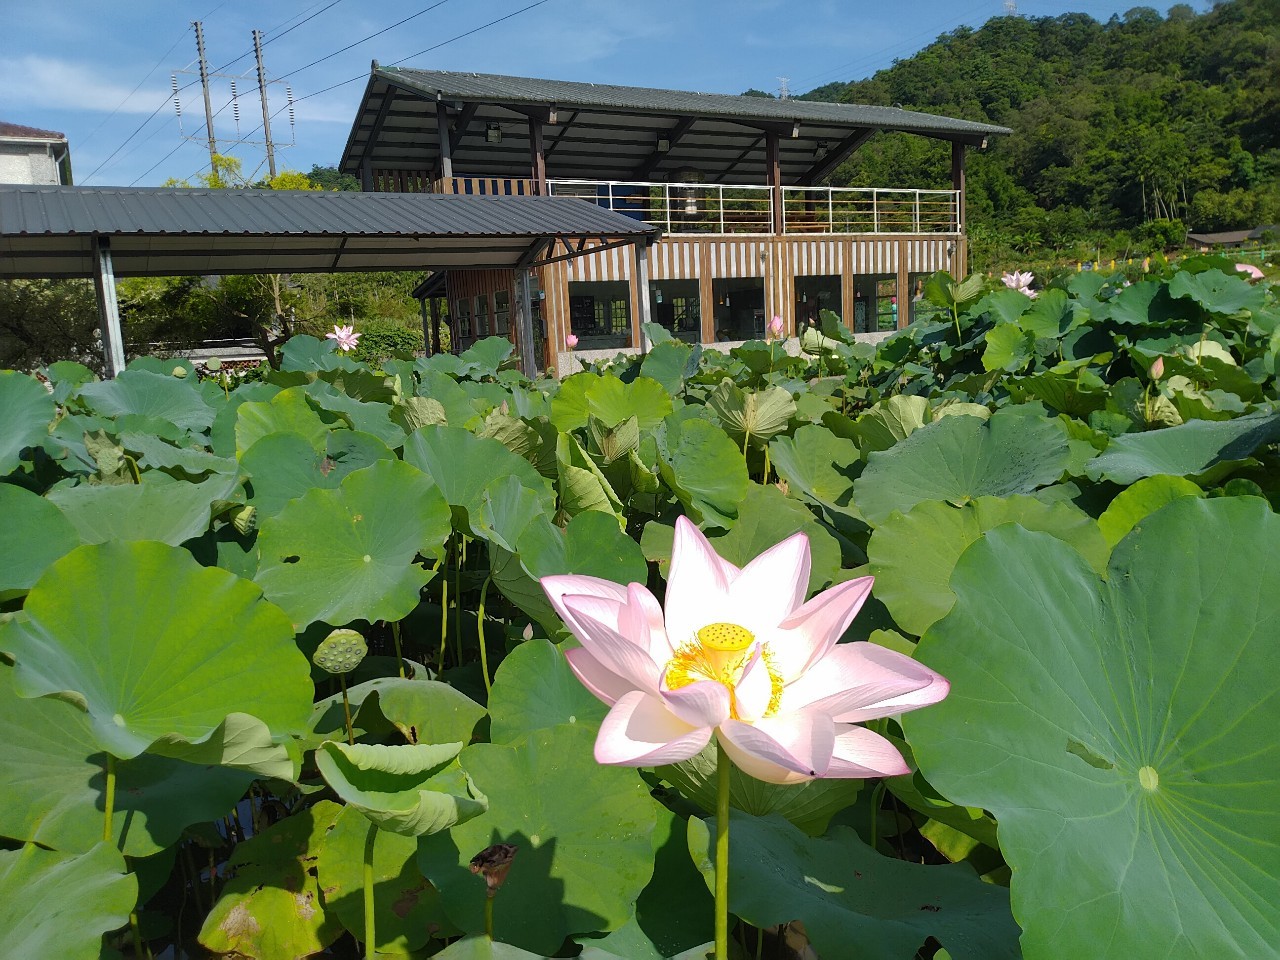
(1250, 270)
(571, 341)
(346, 337)
(739, 653)
(776, 327)
(1020, 281)
(1157, 368)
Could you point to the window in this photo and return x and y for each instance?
(501, 312)
(462, 311)
(482, 315)
(600, 313)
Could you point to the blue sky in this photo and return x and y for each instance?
(100, 72)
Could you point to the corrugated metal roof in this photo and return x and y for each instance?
(493, 88)
(21, 132)
(48, 231)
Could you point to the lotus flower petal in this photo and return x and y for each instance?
(639, 731)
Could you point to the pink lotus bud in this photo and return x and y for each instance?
(1157, 368)
(776, 326)
(571, 342)
(1249, 270)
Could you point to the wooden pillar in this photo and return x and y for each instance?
(773, 163)
(524, 324)
(426, 325)
(537, 157)
(957, 182)
(366, 175)
(104, 284)
(446, 145)
(903, 286)
(706, 292)
(848, 294)
(640, 278)
(435, 326)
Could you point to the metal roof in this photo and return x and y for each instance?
(605, 131)
(157, 231)
(18, 131)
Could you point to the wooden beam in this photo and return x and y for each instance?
(537, 157)
(957, 181)
(673, 136)
(366, 157)
(547, 114)
(104, 285)
(783, 128)
(564, 132)
(773, 176)
(826, 165)
(755, 145)
(460, 125)
(446, 144)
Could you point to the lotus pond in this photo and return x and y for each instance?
(279, 679)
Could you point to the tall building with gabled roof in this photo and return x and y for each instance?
(32, 155)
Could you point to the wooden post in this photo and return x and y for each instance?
(537, 157)
(104, 283)
(773, 162)
(903, 285)
(957, 182)
(366, 175)
(706, 291)
(524, 324)
(446, 145)
(435, 325)
(640, 276)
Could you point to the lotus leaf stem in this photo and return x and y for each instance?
(444, 623)
(722, 852)
(395, 636)
(370, 933)
(138, 949)
(488, 917)
(484, 658)
(460, 558)
(110, 802)
(767, 465)
(346, 708)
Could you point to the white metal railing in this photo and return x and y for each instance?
(679, 208)
(869, 210)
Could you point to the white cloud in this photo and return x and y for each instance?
(54, 84)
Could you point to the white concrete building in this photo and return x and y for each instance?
(31, 155)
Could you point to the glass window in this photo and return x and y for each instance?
(462, 311)
(600, 314)
(482, 315)
(677, 305)
(501, 312)
(739, 306)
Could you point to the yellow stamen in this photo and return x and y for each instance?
(720, 652)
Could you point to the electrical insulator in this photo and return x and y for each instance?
(235, 105)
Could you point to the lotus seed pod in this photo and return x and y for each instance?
(245, 520)
(213, 365)
(340, 652)
(180, 372)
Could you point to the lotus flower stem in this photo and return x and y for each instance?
(370, 935)
(346, 708)
(444, 623)
(395, 637)
(460, 557)
(488, 917)
(722, 852)
(138, 949)
(765, 479)
(484, 659)
(110, 802)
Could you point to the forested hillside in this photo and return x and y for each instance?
(1119, 127)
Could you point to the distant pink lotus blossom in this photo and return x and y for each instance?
(776, 327)
(1020, 281)
(346, 337)
(1157, 368)
(739, 653)
(571, 341)
(1249, 269)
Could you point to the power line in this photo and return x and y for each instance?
(164, 55)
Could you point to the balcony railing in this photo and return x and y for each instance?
(869, 210)
(679, 208)
(712, 208)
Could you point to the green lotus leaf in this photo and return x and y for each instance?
(169, 512)
(535, 689)
(406, 907)
(55, 776)
(422, 711)
(611, 401)
(286, 412)
(348, 554)
(487, 355)
(272, 906)
(507, 508)
(890, 421)
(810, 806)
(284, 466)
(152, 645)
(482, 948)
(855, 903)
(34, 534)
(340, 652)
(66, 376)
(912, 556)
(157, 454)
(55, 905)
(25, 411)
(583, 831)
(1148, 302)
(1145, 497)
(582, 486)
(671, 363)
(1009, 348)
(754, 414)
(413, 789)
(1184, 450)
(1128, 725)
(149, 394)
(705, 470)
(591, 544)
(414, 412)
(767, 517)
(961, 458)
(366, 413)
(1217, 292)
(817, 465)
(301, 352)
(569, 408)
(462, 464)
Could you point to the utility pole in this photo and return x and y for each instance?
(204, 82)
(266, 114)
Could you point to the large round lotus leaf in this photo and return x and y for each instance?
(1217, 292)
(961, 458)
(155, 453)
(284, 466)
(583, 831)
(912, 556)
(361, 405)
(810, 806)
(171, 513)
(534, 689)
(767, 517)
(33, 535)
(855, 903)
(272, 905)
(55, 778)
(1123, 733)
(25, 411)
(482, 948)
(706, 471)
(461, 464)
(150, 395)
(423, 711)
(751, 414)
(406, 908)
(412, 789)
(54, 905)
(286, 412)
(1145, 497)
(152, 645)
(1186, 449)
(817, 465)
(891, 421)
(611, 401)
(347, 554)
